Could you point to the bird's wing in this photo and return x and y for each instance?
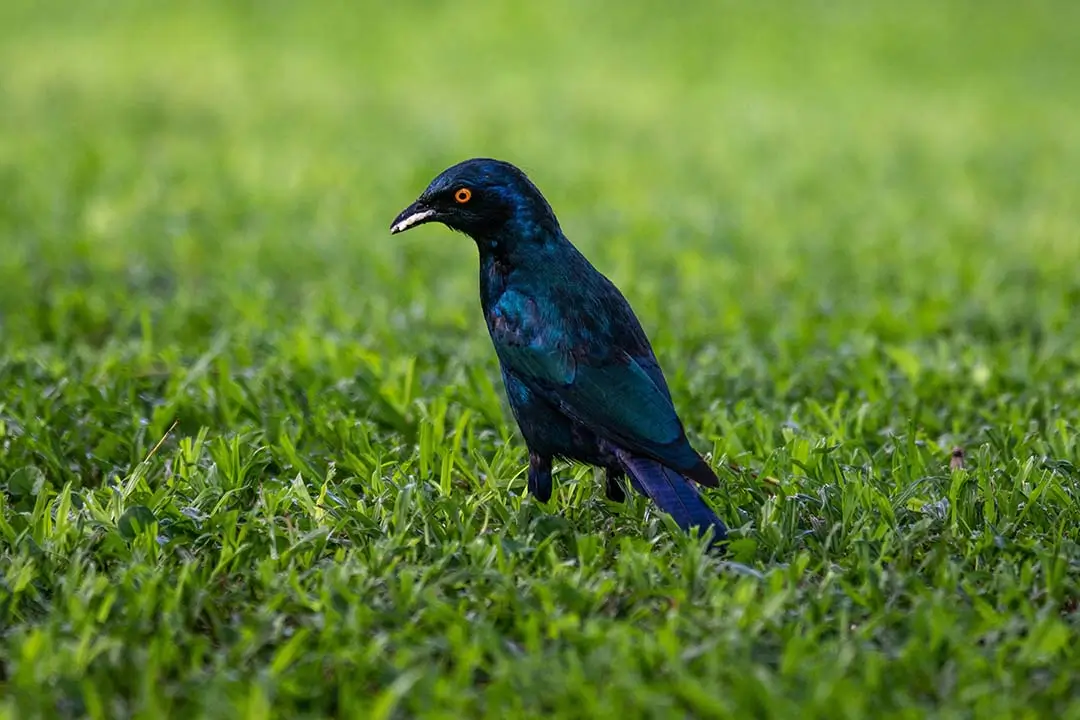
(614, 395)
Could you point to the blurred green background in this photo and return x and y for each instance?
(851, 229)
(735, 166)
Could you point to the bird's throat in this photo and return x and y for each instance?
(495, 273)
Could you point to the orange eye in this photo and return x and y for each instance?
(463, 195)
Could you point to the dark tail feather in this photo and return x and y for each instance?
(673, 494)
(703, 474)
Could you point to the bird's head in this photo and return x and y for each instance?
(489, 200)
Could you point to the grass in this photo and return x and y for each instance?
(255, 454)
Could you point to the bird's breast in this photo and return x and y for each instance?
(494, 278)
(515, 317)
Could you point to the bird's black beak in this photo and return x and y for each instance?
(416, 214)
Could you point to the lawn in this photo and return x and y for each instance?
(255, 456)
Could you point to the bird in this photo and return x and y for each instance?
(580, 374)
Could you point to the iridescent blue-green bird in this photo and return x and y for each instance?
(582, 379)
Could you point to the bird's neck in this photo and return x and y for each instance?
(515, 250)
(519, 241)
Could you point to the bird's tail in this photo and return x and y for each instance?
(674, 494)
